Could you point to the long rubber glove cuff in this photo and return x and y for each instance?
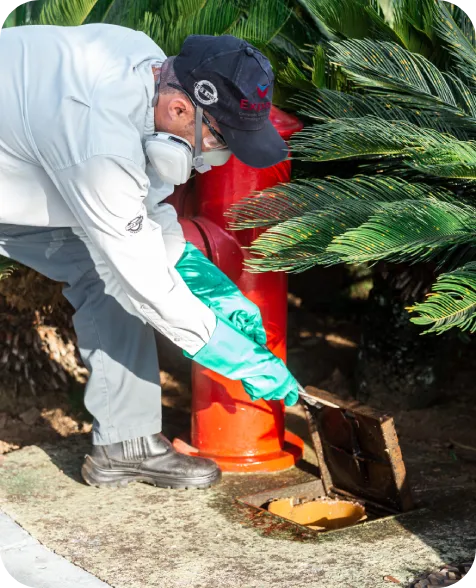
(208, 283)
(233, 355)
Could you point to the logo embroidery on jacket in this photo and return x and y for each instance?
(135, 225)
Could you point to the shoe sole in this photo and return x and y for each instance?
(99, 477)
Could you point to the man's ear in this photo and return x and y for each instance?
(179, 109)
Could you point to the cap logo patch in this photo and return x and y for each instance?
(262, 90)
(205, 92)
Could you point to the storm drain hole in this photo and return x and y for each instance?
(322, 514)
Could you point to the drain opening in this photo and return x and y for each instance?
(319, 514)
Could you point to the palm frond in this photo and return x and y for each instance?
(104, 11)
(456, 161)
(364, 137)
(130, 14)
(7, 267)
(263, 22)
(286, 201)
(451, 303)
(296, 34)
(305, 217)
(400, 146)
(319, 63)
(22, 15)
(403, 77)
(459, 42)
(71, 13)
(462, 20)
(325, 105)
(413, 23)
(174, 9)
(350, 18)
(294, 76)
(408, 231)
(215, 17)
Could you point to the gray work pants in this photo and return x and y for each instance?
(116, 345)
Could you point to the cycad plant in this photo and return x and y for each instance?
(393, 111)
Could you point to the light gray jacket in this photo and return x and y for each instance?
(75, 106)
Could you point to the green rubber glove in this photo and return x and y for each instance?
(218, 292)
(233, 355)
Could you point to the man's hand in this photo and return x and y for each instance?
(216, 290)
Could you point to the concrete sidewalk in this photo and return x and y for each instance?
(32, 564)
(144, 537)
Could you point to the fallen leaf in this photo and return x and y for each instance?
(392, 579)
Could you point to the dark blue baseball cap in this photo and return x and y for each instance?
(233, 81)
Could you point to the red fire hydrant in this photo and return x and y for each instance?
(240, 435)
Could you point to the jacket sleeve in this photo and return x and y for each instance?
(164, 218)
(106, 195)
(164, 215)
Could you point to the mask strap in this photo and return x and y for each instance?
(197, 151)
(156, 69)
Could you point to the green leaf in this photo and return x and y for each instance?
(263, 22)
(459, 43)
(408, 231)
(319, 64)
(456, 160)
(296, 34)
(350, 18)
(329, 105)
(215, 17)
(22, 15)
(7, 267)
(285, 201)
(403, 77)
(61, 13)
(294, 76)
(462, 20)
(364, 137)
(451, 303)
(413, 23)
(305, 216)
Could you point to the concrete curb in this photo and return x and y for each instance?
(31, 564)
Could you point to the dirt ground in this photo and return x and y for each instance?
(323, 348)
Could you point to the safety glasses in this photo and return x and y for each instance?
(216, 141)
(216, 150)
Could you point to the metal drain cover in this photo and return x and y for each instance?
(358, 451)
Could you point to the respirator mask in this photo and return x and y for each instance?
(173, 157)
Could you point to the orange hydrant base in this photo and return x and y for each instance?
(273, 462)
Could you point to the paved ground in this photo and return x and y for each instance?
(143, 537)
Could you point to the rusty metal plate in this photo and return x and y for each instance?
(358, 451)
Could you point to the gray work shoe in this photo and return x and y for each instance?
(149, 459)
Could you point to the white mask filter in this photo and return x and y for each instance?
(170, 156)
